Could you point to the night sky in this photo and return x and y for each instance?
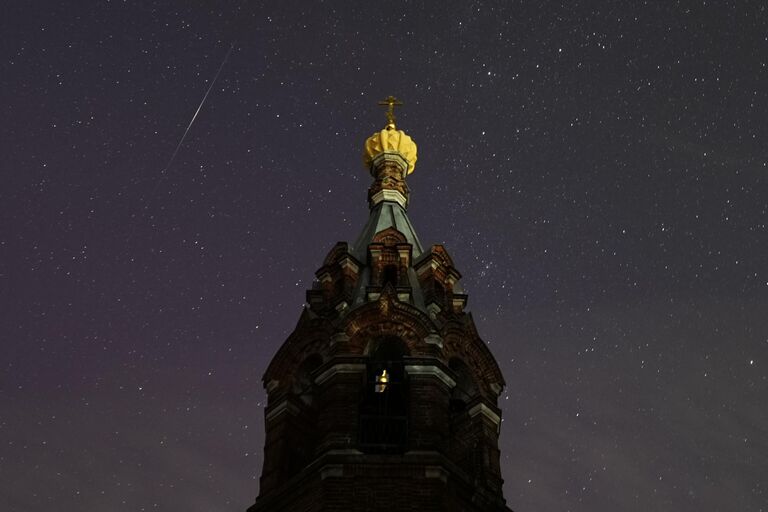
(597, 170)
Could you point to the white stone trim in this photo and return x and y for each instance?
(391, 155)
(339, 368)
(271, 385)
(339, 337)
(433, 265)
(280, 408)
(438, 472)
(344, 451)
(340, 307)
(434, 339)
(389, 195)
(485, 411)
(421, 453)
(459, 302)
(331, 470)
(347, 262)
(423, 369)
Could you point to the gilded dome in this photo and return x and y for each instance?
(390, 140)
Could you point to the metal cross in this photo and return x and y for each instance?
(390, 102)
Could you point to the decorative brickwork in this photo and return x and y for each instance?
(389, 174)
(326, 450)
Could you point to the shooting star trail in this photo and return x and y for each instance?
(199, 107)
(183, 137)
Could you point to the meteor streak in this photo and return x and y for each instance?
(199, 107)
(183, 137)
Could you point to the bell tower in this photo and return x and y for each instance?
(384, 397)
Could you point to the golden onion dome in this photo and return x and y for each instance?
(390, 140)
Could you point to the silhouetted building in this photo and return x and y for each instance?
(384, 397)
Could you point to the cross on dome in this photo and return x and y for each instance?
(390, 102)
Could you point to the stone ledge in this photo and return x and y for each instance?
(485, 411)
(423, 369)
(438, 472)
(331, 470)
(339, 368)
(280, 408)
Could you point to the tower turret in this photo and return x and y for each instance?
(384, 397)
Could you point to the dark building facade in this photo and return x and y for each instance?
(384, 397)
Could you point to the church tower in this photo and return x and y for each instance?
(384, 397)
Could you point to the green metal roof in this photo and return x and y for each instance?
(386, 214)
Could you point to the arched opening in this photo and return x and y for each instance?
(384, 408)
(389, 276)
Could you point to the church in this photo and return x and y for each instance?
(384, 397)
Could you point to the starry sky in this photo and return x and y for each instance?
(597, 170)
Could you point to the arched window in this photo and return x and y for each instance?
(384, 408)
